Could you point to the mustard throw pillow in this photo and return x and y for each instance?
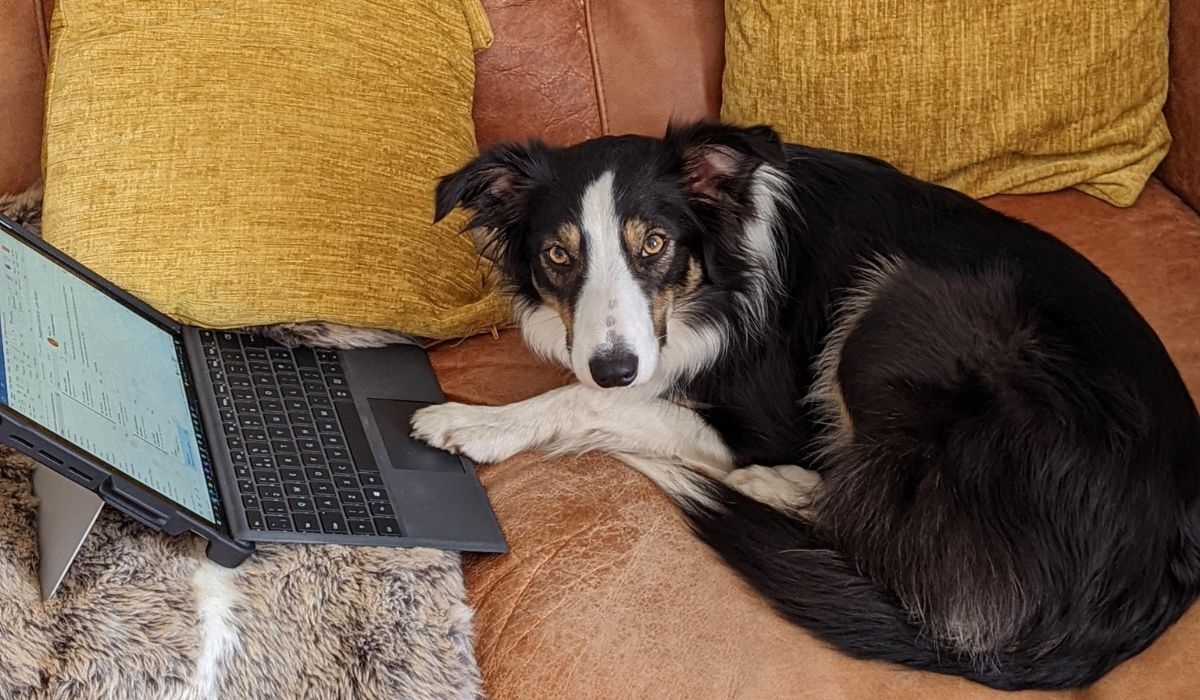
(1017, 96)
(239, 162)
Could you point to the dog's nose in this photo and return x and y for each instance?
(613, 369)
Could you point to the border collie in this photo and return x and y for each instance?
(929, 433)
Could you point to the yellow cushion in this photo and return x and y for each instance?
(239, 162)
(1018, 96)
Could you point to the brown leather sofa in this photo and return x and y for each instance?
(605, 594)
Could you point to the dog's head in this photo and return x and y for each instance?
(612, 235)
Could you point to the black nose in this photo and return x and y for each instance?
(612, 369)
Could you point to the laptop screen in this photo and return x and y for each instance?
(82, 365)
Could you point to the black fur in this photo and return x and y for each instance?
(1017, 500)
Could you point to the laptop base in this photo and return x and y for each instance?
(66, 514)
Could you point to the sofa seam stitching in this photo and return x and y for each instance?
(597, 76)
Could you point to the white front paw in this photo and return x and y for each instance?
(485, 434)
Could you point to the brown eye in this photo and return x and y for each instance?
(558, 255)
(654, 244)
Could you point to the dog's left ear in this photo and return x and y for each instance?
(716, 160)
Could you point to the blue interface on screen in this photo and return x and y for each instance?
(83, 366)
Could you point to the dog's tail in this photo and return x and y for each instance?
(813, 585)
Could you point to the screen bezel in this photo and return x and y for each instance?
(163, 322)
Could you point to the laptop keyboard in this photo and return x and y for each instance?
(280, 416)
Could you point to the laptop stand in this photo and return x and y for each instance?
(66, 514)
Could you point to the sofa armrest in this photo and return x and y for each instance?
(22, 91)
(1181, 169)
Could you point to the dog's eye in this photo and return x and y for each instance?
(654, 244)
(558, 255)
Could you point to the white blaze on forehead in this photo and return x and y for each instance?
(612, 310)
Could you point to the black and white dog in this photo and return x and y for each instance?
(929, 433)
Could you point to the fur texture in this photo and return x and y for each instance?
(143, 615)
(927, 432)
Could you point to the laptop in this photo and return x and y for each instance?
(224, 434)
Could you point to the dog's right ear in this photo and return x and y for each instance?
(496, 178)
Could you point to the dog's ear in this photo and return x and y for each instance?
(716, 160)
(494, 187)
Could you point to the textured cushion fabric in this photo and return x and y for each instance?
(985, 97)
(606, 594)
(237, 163)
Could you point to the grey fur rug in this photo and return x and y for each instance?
(144, 616)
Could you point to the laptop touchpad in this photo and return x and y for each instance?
(393, 418)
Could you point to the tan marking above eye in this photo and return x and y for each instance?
(653, 244)
(558, 255)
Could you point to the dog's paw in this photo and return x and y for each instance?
(485, 434)
(787, 487)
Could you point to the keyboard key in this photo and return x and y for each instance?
(317, 474)
(220, 389)
(272, 406)
(250, 502)
(345, 482)
(340, 468)
(242, 471)
(266, 477)
(255, 520)
(255, 341)
(321, 413)
(279, 433)
(300, 419)
(255, 434)
(332, 441)
(333, 523)
(288, 460)
(269, 491)
(288, 379)
(217, 377)
(310, 375)
(274, 507)
(305, 357)
(228, 416)
(340, 394)
(282, 366)
(228, 341)
(295, 405)
(300, 504)
(255, 449)
(247, 408)
(327, 355)
(250, 421)
(258, 367)
(279, 353)
(262, 462)
(267, 392)
(361, 527)
(278, 446)
(382, 509)
(237, 456)
(327, 503)
(336, 381)
(321, 400)
(356, 511)
(263, 380)
(312, 459)
(233, 431)
(293, 489)
(376, 495)
(308, 445)
(322, 488)
(279, 522)
(387, 526)
(350, 497)
(246, 486)
(240, 382)
(337, 453)
(369, 479)
(306, 522)
(243, 394)
(292, 475)
(214, 364)
(233, 368)
(275, 419)
(331, 368)
(314, 388)
(328, 426)
(256, 354)
(292, 392)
